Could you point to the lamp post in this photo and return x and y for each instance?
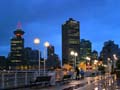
(109, 65)
(88, 62)
(46, 44)
(75, 54)
(72, 54)
(95, 63)
(37, 42)
(115, 59)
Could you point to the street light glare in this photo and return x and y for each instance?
(88, 58)
(76, 54)
(46, 44)
(96, 88)
(95, 61)
(115, 57)
(108, 59)
(72, 53)
(36, 40)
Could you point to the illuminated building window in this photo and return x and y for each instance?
(72, 41)
(18, 55)
(14, 61)
(74, 34)
(13, 48)
(17, 42)
(13, 44)
(18, 48)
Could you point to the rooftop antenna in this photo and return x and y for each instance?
(19, 25)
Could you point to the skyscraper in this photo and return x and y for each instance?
(50, 50)
(108, 51)
(85, 49)
(94, 55)
(17, 46)
(31, 58)
(70, 41)
(52, 59)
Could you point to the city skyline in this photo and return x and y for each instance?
(99, 21)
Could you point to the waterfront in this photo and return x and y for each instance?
(11, 79)
(89, 83)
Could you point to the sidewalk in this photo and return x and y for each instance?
(73, 84)
(89, 83)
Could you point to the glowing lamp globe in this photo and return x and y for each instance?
(46, 44)
(36, 40)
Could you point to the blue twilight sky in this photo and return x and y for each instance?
(99, 21)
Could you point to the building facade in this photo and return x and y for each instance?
(17, 46)
(31, 58)
(53, 60)
(109, 50)
(50, 50)
(94, 55)
(70, 41)
(85, 49)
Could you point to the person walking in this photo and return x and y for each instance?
(77, 73)
(82, 73)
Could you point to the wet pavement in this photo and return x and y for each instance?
(104, 83)
(89, 83)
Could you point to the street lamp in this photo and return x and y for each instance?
(46, 44)
(88, 62)
(115, 59)
(72, 54)
(109, 65)
(37, 42)
(75, 54)
(88, 58)
(95, 63)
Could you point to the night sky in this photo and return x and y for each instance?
(99, 21)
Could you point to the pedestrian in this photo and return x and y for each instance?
(77, 73)
(82, 73)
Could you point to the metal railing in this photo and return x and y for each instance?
(12, 79)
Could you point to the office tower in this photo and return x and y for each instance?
(94, 55)
(85, 54)
(70, 41)
(50, 50)
(31, 57)
(109, 50)
(17, 46)
(85, 49)
(52, 59)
